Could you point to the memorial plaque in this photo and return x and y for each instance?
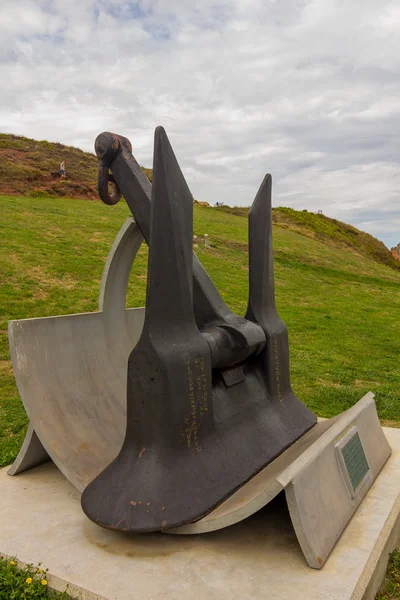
(353, 462)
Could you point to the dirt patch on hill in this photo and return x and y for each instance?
(396, 256)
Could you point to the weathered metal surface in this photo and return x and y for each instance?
(105, 155)
(320, 499)
(315, 453)
(195, 432)
(104, 179)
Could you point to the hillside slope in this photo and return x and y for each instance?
(330, 231)
(30, 167)
(341, 308)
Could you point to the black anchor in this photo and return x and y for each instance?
(209, 400)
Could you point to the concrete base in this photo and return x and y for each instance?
(41, 520)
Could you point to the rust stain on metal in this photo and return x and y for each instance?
(84, 446)
(320, 560)
(141, 452)
(133, 503)
(113, 527)
(100, 150)
(115, 144)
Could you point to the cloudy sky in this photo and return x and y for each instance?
(308, 90)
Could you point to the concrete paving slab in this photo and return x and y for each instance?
(41, 520)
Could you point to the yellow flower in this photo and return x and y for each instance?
(39, 570)
(44, 582)
(29, 580)
(12, 562)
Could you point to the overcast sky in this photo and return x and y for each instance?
(308, 90)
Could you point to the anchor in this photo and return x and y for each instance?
(209, 399)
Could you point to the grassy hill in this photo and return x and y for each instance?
(341, 308)
(30, 167)
(330, 231)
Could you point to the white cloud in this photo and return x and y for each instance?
(306, 89)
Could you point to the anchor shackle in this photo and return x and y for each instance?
(107, 147)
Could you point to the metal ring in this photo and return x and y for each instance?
(102, 185)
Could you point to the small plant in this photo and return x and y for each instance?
(25, 583)
(390, 589)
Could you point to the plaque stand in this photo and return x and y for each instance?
(325, 476)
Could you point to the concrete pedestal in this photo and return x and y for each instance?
(260, 557)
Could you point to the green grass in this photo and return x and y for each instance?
(30, 167)
(390, 588)
(25, 582)
(341, 308)
(330, 231)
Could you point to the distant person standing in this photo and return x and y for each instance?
(62, 169)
